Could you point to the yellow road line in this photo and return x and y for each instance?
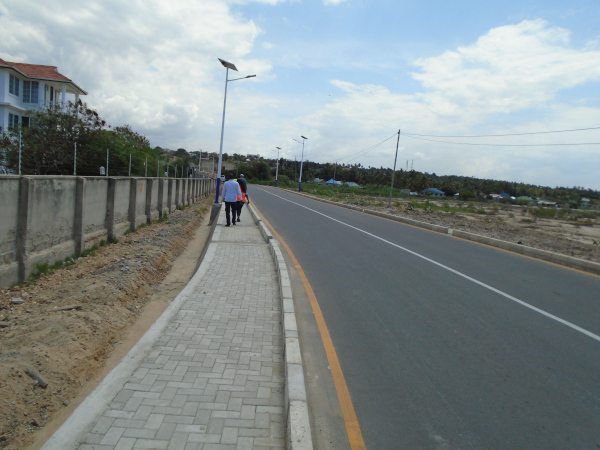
(350, 420)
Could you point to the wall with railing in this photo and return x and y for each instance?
(49, 218)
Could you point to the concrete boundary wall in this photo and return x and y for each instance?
(557, 258)
(49, 218)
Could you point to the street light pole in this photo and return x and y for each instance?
(227, 66)
(301, 161)
(277, 169)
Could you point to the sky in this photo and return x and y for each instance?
(346, 74)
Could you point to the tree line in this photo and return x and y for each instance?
(74, 139)
(62, 140)
(414, 181)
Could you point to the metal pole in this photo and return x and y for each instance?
(222, 131)
(106, 162)
(130, 164)
(334, 170)
(394, 171)
(158, 168)
(167, 169)
(75, 161)
(146, 167)
(277, 169)
(19, 152)
(301, 162)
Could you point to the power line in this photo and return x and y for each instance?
(368, 149)
(501, 135)
(497, 145)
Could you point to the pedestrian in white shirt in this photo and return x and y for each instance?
(231, 193)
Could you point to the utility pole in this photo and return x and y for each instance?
(334, 170)
(394, 171)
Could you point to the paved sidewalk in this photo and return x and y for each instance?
(210, 373)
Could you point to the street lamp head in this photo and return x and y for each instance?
(227, 64)
(250, 76)
(303, 137)
(278, 148)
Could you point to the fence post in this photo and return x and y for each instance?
(132, 203)
(78, 231)
(149, 187)
(25, 186)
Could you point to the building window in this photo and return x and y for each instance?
(13, 85)
(13, 120)
(30, 91)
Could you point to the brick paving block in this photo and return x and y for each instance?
(154, 421)
(138, 433)
(143, 412)
(125, 443)
(112, 436)
(152, 444)
(178, 441)
(165, 432)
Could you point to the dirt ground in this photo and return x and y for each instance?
(73, 325)
(578, 238)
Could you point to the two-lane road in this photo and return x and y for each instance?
(444, 343)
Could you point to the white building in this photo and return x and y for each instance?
(30, 86)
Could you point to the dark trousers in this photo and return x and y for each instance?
(240, 204)
(230, 207)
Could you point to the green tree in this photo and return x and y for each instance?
(48, 143)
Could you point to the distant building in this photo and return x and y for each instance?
(433, 191)
(351, 184)
(31, 86)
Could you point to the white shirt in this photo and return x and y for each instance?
(231, 191)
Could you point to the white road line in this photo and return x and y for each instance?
(460, 274)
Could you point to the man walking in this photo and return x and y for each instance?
(231, 192)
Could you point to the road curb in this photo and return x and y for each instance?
(299, 435)
(556, 258)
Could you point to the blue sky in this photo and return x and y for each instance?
(345, 73)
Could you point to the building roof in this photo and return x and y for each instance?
(433, 191)
(40, 72)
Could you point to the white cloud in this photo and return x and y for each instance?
(152, 64)
(506, 82)
(333, 2)
(509, 69)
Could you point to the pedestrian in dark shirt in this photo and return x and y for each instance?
(244, 188)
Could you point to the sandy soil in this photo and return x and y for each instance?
(579, 238)
(73, 325)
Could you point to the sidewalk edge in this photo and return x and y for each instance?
(299, 435)
(80, 422)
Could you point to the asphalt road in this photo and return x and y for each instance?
(445, 343)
